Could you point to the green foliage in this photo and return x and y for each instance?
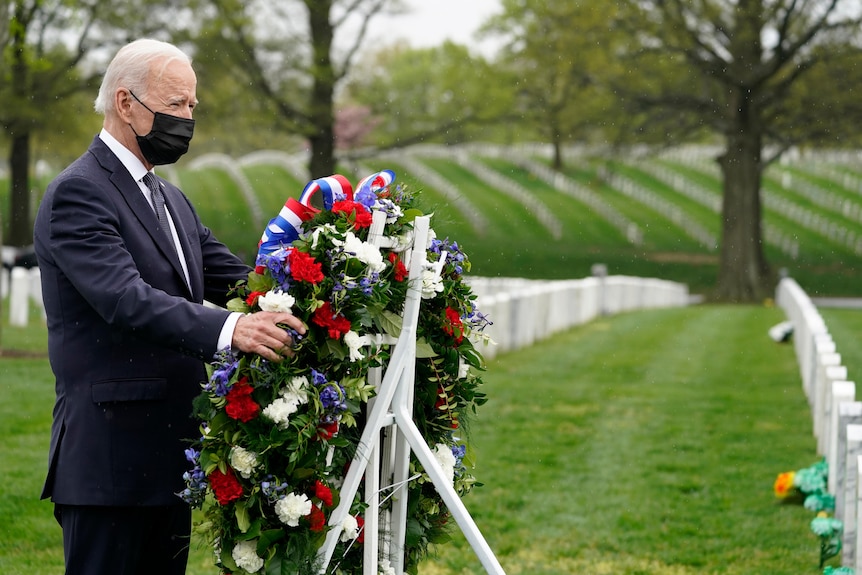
(559, 58)
(442, 94)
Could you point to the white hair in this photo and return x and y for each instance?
(131, 68)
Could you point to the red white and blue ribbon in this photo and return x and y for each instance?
(283, 229)
(331, 189)
(375, 182)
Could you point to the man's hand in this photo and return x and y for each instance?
(259, 333)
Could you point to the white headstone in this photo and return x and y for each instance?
(851, 478)
(842, 392)
(19, 297)
(849, 557)
(822, 389)
(849, 413)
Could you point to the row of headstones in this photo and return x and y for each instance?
(800, 214)
(823, 198)
(525, 312)
(675, 213)
(836, 414)
(711, 199)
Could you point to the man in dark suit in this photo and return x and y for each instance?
(124, 278)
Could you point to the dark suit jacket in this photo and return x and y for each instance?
(127, 336)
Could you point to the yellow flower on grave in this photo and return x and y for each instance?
(784, 484)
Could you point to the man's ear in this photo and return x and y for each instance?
(123, 104)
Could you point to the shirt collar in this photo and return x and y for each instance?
(135, 167)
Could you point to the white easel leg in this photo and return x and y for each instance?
(448, 493)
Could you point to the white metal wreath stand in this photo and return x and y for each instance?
(390, 434)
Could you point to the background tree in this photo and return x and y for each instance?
(54, 52)
(282, 57)
(745, 71)
(442, 94)
(559, 54)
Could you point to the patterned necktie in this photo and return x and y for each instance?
(159, 206)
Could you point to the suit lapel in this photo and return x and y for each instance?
(131, 192)
(182, 222)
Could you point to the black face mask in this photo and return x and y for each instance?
(168, 139)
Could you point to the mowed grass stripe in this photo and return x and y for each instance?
(643, 443)
(659, 232)
(693, 210)
(512, 219)
(580, 223)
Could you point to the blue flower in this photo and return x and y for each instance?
(278, 266)
(318, 378)
(192, 455)
(331, 398)
(365, 197)
(225, 365)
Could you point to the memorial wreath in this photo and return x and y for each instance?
(277, 438)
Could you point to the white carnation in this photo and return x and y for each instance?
(443, 455)
(243, 461)
(296, 390)
(292, 507)
(326, 229)
(280, 410)
(385, 568)
(432, 284)
(290, 398)
(353, 342)
(349, 529)
(463, 368)
(245, 556)
(276, 300)
(366, 253)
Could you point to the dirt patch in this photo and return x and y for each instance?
(22, 354)
(683, 258)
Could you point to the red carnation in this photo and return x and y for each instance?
(322, 492)
(316, 518)
(240, 405)
(303, 267)
(453, 325)
(400, 270)
(355, 212)
(251, 300)
(360, 524)
(337, 325)
(327, 430)
(225, 486)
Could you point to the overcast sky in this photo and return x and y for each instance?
(430, 22)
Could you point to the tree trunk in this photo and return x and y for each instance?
(20, 224)
(322, 118)
(743, 275)
(20, 227)
(557, 161)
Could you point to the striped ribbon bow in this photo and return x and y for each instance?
(283, 229)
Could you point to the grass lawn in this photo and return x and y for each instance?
(644, 443)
